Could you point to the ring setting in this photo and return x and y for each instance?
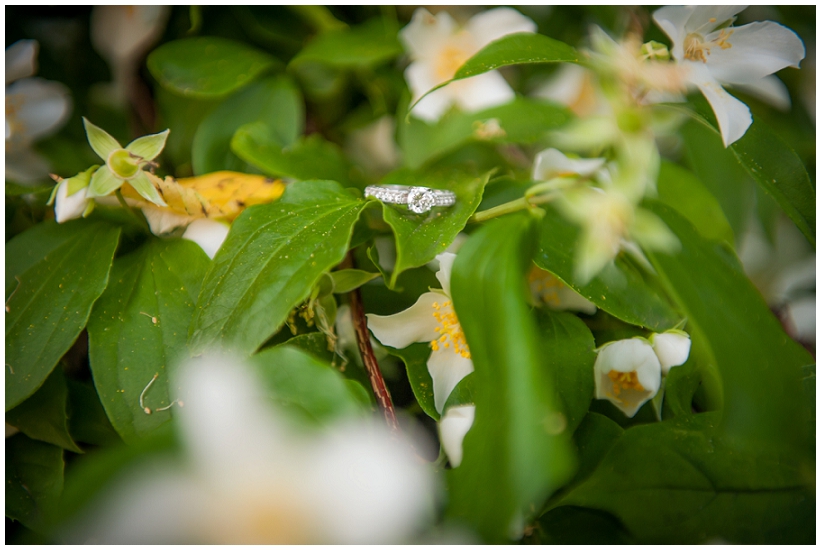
(418, 199)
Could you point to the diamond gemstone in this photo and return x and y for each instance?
(420, 200)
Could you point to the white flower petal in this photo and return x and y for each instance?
(733, 116)
(672, 19)
(209, 234)
(672, 348)
(801, 315)
(21, 60)
(23, 165)
(552, 163)
(124, 32)
(570, 300)
(69, 207)
(757, 50)
(433, 106)
(493, 24)
(446, 260)
(454, 425)
(415, 324)
(426, 34)
(769, 89)
(35, 107)
(704, 19)
(482, 91)
(162, 220)
(627, 356)
(446, 368)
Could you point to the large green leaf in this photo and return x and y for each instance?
(621, 288)
(521, 121)
(566, 348)
(44, 415)
(54, 273)
(307, 388)
(420, 237)
(679, 482)
(138, 328)
(774, 166)
(88, 422)
(517, 451)
(272, 258)
(514, 49)
(274, 101)
(682, 191)
(309, 158)
(34, 479)
(365, 45)
(415, 358)
(759, 364)
(207, 66)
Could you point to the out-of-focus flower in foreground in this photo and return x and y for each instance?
(438, 47)
(744, 57)
(628, 373)
(431, 319)
(35, 108)
(249, 479)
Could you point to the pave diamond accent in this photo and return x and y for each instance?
(421, 200)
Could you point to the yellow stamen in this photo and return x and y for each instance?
(450, 330)
(696, 49)
(624, 381)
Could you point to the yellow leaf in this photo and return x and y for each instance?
(219, 195)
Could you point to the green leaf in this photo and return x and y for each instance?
(308, 158)
(274, 101)
(566, 348)
(679, 482)
(575, 525)
(305, 387)
(34, 479)
(88, 422)
(100, 140)
(415, 358)
(759, 364)
(774, 166)
(138, 328)
(54, 273)
(513, 49)
(43, 416)
(521, 121)
(148, 147)
(346, 280)
(420, 237)
(462, 394)
(272, 258)
(682, 191)
(15, 190)
(620, 289)
(207, 66)
(365, 45)
(515, 454)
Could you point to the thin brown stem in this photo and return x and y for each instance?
(380, 390)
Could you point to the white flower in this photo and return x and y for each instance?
(573, 86)
(248, 478)
(374, 146)
(70, 197)
(438, 47)
(122, 35)
(628, 374)
(431, 319)
(209, 234)
(547, 289)
(743, 57)
(672, 348)
(35, 108)
(454, 425)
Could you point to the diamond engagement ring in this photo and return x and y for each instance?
(418, 199)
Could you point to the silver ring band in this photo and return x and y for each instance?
(418, 199)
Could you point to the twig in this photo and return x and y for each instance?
(360, 323)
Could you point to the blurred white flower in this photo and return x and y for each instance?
(122, 35)
(249, 479)
(209, 234)
(431, 319)
(573, 86)
(628, 374)
(744, 57)
(374, 146)
(547, 289)
(672, 348)
(35, 108)
(784, 273)
(438, 47)
(454, 425)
